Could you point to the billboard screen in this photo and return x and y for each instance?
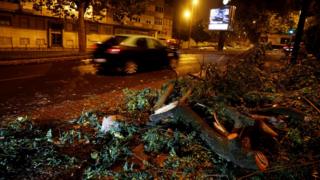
(220, 18)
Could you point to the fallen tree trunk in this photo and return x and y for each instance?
(230, 150)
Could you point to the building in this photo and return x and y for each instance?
(22, 27)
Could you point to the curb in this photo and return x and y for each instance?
(42, 60)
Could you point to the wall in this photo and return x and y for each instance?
(22, 38)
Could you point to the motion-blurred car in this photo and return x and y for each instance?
(130, 53)
(287, 49)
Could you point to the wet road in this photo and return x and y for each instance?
(25, 87)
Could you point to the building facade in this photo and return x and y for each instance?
(22, 27)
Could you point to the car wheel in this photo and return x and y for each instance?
(173, 63)
(130, 67)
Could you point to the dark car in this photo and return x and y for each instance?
(287, 49)
(130, 53)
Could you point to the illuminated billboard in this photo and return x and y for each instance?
(221, 18)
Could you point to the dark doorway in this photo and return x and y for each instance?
(55, 34)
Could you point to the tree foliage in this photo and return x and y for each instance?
(119, 10)
(254, 16)
(198, 32)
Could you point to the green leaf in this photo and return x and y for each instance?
(94, 155)
(49, 136)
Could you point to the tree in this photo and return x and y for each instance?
(312, 34)
(119, 9)
(253, 16)
(198, 32)
(299, 33)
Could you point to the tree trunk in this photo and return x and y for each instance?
(299, 33)
(229, 149)
(82, 40)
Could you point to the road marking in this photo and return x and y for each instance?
(19, 78)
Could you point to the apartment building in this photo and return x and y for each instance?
(21, 27)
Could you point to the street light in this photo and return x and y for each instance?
(194, 3)
(187, 14)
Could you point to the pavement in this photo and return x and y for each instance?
(32, 57)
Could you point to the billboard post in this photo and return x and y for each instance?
(221, 19)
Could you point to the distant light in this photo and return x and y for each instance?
(195, 2)
(187, 14)
(225, 2)
(291, 31)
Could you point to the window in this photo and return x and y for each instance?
(159, 9)
(40, 42)
(284, 40)
(155, 44)
(135, 19)
(141, 43)
(24, 41)
(5, 21)
(24, 22)
(93, 28)
(5, 41)
(158, 21)
(70, 27)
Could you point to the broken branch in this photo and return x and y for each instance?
(314, 106)
(164, 97)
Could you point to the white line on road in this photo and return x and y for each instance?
(21, 77)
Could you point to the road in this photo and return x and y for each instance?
(25, 87)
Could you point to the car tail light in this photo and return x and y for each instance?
(113, 50)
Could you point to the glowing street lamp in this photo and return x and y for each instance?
(187, 14)
(194, 3)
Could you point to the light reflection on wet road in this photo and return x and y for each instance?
(25, 87)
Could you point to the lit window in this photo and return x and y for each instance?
(5, 21)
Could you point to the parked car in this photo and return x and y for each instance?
(130, 53)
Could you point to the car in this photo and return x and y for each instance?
(130, 53)
(287, 49)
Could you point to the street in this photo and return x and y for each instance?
(26, 87)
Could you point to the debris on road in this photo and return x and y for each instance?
(242, 121)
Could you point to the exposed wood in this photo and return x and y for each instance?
(219, 127)
(164, 97)
(258, 117)
(240, 121)
(230, 150)
(265, 128)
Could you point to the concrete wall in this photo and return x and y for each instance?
(70, 39)
(22, 38)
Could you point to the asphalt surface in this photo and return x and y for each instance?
(29, 86)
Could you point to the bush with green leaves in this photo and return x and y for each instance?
(140, 100)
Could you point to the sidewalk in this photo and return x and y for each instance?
(29, 57)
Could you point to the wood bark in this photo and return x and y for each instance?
(228, 148)
(164, 97)
(81, 28)
(299, 33)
